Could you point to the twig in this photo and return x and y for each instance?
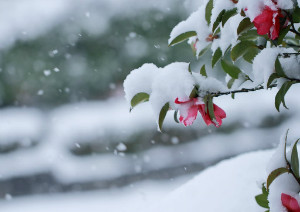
(243, 90)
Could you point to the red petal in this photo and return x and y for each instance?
(290, 203)
(219, 114)
(191, 116)
(264, 21)
(204, 115)
(182, 102)
(276, 29)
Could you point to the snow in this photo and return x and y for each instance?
(20, 125)
(229, 34)
(128, 199)
(285, 4)
(140, 80)
(254, 7)
(263, 65)
(80, 123)
(220, 5)
(285, 183)
(195, 21)
(277, 160)
(173, 81)
(228, 186)
(291, 66)
(209, 84)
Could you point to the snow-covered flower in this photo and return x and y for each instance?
(290, 203)
(189, 110)
(268, 22)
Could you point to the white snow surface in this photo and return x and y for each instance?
(220, 5)
(173, 81)
(127, 199)
(139, 81)
(228, 186)
(264, 64)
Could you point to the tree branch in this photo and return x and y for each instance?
(285, 55)
(243, 90)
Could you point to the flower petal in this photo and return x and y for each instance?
(204, 115)
(182, 102)
(290, 203)
(219, 112)
(275, 30)
(264, 21)
(191, 116)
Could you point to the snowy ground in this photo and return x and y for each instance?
(229, 186)
(129, 199)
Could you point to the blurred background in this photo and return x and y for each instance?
(67, 139)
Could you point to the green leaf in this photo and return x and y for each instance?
(274, 174)
(244, 26)
(202, 52)
(216, 57)
(282, 34)
(194, 92)
(278, 68)
(271, 79)
(296, 15)
(240, 49)
(162, 115)
(139, 98)
(284, 150)
(279, 98)
(182, 37)
(217, 32)
(203, 71)
(251, 54)
(190, 70)
(228, 14)
(262, 200)
(176, 116)
(210, 107)
(295, 160)
(218, 20)
(230, 69)
(208, 10)
(264, 190)
(250, 35)
(230, 83)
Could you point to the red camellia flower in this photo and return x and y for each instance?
(189, 110)
(290, 203)
(268, 22)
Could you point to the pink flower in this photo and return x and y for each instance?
(268, 22)
(189, 111)
(290, 203)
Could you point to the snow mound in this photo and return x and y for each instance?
(228, 186)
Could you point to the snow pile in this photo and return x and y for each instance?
(21, 126)
(285, 183)
(173, 81)
(264, 64)
(140, 81)
(229, 186)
